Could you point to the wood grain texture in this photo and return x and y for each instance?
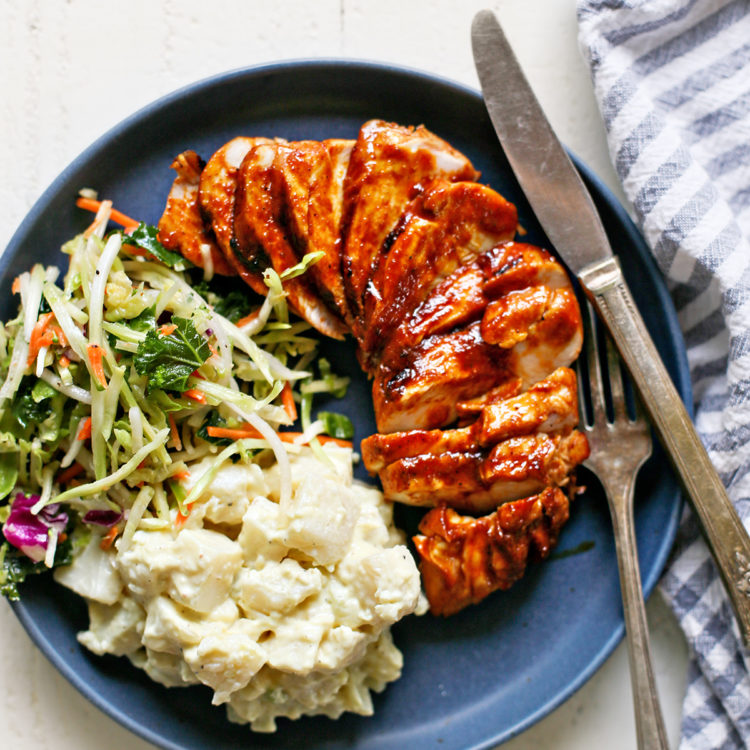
(71, 69)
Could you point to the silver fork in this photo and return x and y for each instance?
(619, 447)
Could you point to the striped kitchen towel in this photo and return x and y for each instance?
(672, 78)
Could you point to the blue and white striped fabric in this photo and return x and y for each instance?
(672, 78)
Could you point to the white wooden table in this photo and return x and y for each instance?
(72, 69)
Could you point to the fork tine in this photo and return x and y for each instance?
(596, 383)
(616, 389)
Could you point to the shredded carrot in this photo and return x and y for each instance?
(63, 536)
(181, 476)
(89, 204)
(196, 374)
(167, 329)
(247, 319)
(16, 288)
(287, 399)
(95, 358)
(195, 394)
(84, 433)
(181, 518)
(249, 432)
(73, 470)
(63, 361)
(174, 433)
(40, 336)
(109, 538)
(139, 252)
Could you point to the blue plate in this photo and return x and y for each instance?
(469, 681)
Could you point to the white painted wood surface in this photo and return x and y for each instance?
(71, 69)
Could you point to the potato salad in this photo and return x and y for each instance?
(281, 608)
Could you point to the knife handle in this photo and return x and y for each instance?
(724, 532)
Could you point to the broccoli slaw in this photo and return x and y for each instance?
(130, 369)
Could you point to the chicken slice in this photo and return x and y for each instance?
(525, 265)
(378, 450)
(549, 406)
(181, 227)
(478, 482)
(324, 224)
(421, 391)
(444, 228)
(388, 166)
(218, 185)
(470, 408)
(463, 559)
(306, 174)
(262, 235)
(541, 344)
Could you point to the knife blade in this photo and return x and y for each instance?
(567, 214)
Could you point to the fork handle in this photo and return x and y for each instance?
(726, 536)
(649, 722)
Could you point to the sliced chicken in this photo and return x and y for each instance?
(444, 228)
(262, 234)
(463, 559)
(477, 481)
(388, 166)
(379, 450)
(218, 185)
(541, 344)
(181, 227)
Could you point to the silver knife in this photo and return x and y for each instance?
(565, 210)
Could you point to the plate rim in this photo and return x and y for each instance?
(602, 192)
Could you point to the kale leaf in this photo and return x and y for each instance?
(15, 566)
(32, 404)
(168, 361)
(146, 236)
(213, 420)
(337, 425)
